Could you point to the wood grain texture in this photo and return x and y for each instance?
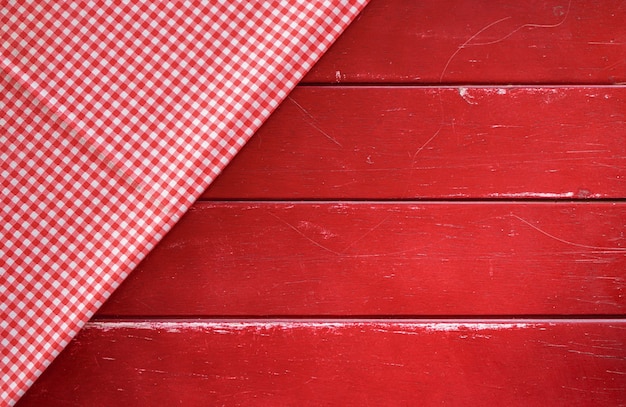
(381, 363)
(343, 259)
(443, 143)
(330, 261)
(485, 41)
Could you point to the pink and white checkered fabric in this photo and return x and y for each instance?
(116, 115)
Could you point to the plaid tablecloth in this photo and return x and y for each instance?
(116, 115)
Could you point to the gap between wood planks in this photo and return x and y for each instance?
(556, 198)
(426, 324)
(146, 321)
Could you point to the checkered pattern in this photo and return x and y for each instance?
(116, 115)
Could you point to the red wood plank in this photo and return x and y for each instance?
(391, 143)
(485, 41)
(341, 259)
(573, 363)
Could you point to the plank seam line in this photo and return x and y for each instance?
(454, 85)
(370, 318)
(420, 201)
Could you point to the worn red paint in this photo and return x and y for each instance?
(339, 259)
(498, 256)
(443, 143)
(356, 363)
(485, 41)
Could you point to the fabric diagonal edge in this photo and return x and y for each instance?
(80, 206)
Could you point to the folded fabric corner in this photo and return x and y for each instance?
(115, 117)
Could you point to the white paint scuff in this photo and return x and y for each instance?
(533, 195)
(463, 92)
(227, 327)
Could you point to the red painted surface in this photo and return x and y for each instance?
(485, 41)
(378, 363)
(498, 256)
(391, 143)
(343, 259)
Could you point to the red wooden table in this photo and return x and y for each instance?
(436, 215)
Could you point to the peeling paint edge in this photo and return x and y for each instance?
(391, 326)
(532, 195)
(233, 326)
